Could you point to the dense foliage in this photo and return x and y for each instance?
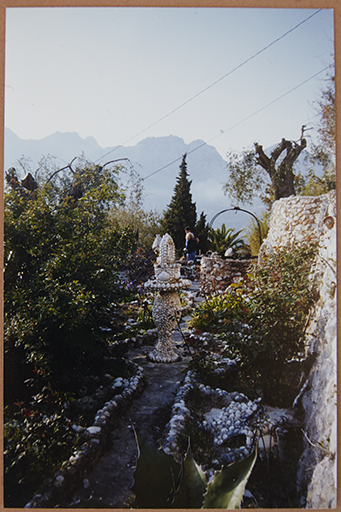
(61, 262)
(61, 286)
(221, 239)
(145, 224)
(262, 322)
(181, 211)
(201, 230)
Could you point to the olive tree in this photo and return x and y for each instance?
(249, 170)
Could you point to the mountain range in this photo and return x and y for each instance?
(156, 159)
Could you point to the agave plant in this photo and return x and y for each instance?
(162, 482)
(221, 239)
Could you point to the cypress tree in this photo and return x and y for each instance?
(201, 231)
(181, 211)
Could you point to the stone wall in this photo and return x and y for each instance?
(216, 273)
(293, 220)
(298, 219)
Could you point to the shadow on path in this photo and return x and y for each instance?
(112, 477)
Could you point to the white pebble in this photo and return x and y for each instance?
(93, 430)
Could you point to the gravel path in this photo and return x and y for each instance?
(112, 477)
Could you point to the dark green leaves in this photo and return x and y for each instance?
(181, 211)
(193, 484)
(161, 482)
(155, 477)
(221, 239)
(263, 319)
(228, 486)
(62, 258)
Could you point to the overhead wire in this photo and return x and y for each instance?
(238, 123)
(212, 84)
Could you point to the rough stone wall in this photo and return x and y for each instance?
(293, 220)
(216, 273)
(298, 219)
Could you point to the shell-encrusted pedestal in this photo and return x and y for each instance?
(166, 310)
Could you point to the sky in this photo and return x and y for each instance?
(226, 76)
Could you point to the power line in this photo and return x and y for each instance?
(212, 84)
(239, 122)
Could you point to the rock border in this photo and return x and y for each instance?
(261, 424)
(61, 486)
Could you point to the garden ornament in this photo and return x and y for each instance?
(166, 310)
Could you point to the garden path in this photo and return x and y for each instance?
(112, 477)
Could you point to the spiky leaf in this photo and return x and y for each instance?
(228, 485)
(155, 477)
(193, 484)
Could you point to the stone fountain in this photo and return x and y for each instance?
(166, 310)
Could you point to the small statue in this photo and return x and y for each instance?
(167, 306)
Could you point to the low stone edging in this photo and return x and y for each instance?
(235, 415)
(62, 484)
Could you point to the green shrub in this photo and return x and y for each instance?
(61, 289)
(38, 438)
(273, 350)
(60, 280)
(222, 238)
(219, 312)
(264, 324)
(255, 233)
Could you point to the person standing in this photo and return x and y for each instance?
(191, 244)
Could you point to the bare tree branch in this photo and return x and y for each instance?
(282, 176)
(263, 160)
(68, 166)
(284, 144)
(114, 161)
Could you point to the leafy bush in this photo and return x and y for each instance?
(282, 294)
(61, 263)
(219, 312)
(61, 290)
(263, 325)
(255, 233)
(38, 440)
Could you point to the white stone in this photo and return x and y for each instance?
(93, 430)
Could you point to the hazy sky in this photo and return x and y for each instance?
(112, 72)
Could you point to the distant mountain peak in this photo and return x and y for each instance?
(156, 158)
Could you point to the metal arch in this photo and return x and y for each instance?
(236, 208)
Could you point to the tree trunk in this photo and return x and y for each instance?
(282, 176)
